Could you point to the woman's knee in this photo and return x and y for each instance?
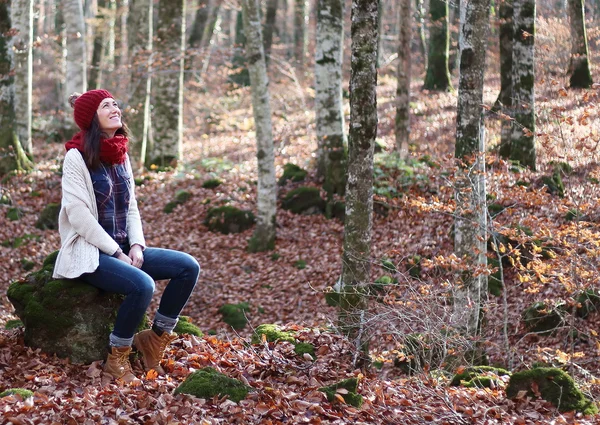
(145, 286)
(191, 265)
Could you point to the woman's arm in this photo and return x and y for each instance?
(135, 232)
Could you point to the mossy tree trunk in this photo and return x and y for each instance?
(522, 143)
(12, 155)
(579, 65)
(438, 74)
(263, 238)
(402, 124)
(420, 18)
(504, 101)
(76, 78)
(269, 27)
(331, 138)
(167, 86)
(356, 258)
(22, 19)
(300, 18)
(470, 223)
(140, 22)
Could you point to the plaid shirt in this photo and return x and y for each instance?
(111, 187)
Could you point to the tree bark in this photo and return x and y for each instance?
(523, 109)
(504, 101)
(420, 17)
(97, 47)
(269, 27)
(263, 238)
(22, 19)
(76, 77)
(200, 20)
(356, 258)
(331, 151)
(579, 65)
(438, 74)
(167, 85)
(470, 226)
(402, 124)
(300, 31)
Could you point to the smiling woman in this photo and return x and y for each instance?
(102, 240)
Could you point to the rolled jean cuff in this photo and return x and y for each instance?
(164, 323)
(116, 341)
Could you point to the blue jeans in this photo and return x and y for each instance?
(137, 285)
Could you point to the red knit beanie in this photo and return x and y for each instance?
(86, 105)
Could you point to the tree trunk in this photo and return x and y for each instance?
(22, 19)
(438, 74)
(470, 224)
(300, 31)
(76, 77)
(523, 109)
(140, 22)
(579, 65)
(209, 32)
(123, 38)
(504, 101)
(420, 17)
(269, 26)
(402, 125)
(331, 151)
(263, 238)
(167, 114)
(199, 23)
(356, 259)
(12, 155)
(99, 30)
(283, 22)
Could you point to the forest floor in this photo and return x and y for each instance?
(413, 217)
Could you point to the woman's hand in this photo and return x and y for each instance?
(124, 258)
(136, 256)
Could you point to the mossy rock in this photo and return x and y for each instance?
(24, 393)
(48, 219)
(228, 219)
(66, 317)
(181, 197)
(417, 351)
(300, 264)
(5, 199)
(553, 385)
(554, 183)
(479, 377)
(350, 395)
(413, 266)
(274, 333)
(13, 324)
(14, 214)
(235, 315)
(388, 266)
(292, 172)
(380, 284)
(543, 318)
(208, 383)
(338, 210)
(304, 200)
(495, 209)
(27, 264)
(332, 298)
(185, 326)
(211, 183)
(588, 302)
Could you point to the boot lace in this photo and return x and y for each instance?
(123, 362)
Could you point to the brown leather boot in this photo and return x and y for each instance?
(117, 365)
(152, 347)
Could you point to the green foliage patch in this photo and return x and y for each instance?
(235, 314)
(228, 219)
(349, 393)
(185, 326)
(207, 383)
(293, 173)
(304, 200)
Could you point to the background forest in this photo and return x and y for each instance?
(407, 191)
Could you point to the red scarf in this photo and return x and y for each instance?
(112, 151)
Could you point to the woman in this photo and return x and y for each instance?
(102, 241)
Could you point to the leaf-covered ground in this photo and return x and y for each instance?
(414, 204)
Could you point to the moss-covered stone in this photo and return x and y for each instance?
(181, 197)
(588, 302)
(413, 266)
(211, 183)
(48, 219)
(13, 324)
(14, 214)
(479, 376)
(543, 318)
(185, 326)
(553, 385)
(350, 395)
(228, 219)
(5, 199)
(338, 210)
(24, 393)
(208, 383)
(50, 260)
(292, 172)
(235, 315)
(273, 333)
(27, 264)
(302, 348)
(554, 184)
(304, 200)
(388, 266)
(332, 298)
(300, 264)
(417, 351)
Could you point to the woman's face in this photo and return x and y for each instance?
(109, 116)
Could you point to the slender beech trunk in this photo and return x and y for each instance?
(523, 107)
(109, 43)
(269, 26)
(471, 213)
(402, 127)
(263, 238)
(12, 155)
(504, 101)
(206, 45)
(199, 23)
(356, 258)
(420, 17)
(97, 46)
(123, 36)
(331, 151)
(579, 65)
(438, 74)
(167, 86)
(283, 22)
(140, 22)
(22, 20)
(300, 31)
(76, 77)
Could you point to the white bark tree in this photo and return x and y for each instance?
(22, 20)
(76, 69)
(263, 238)
(402, 127)
(167, 85)
(300, 20)
(470, 224)
(331, 150)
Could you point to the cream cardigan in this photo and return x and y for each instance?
(81, 234)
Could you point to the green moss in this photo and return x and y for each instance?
(388, 266)
(350, 396)
(417, 351)
(522, 183)
(48, 219)
(168, 209)
(300, 264)
(413, 266)
(50, 260)
(495, 209)
(554, 184)
(20, 291)
(272, 333)
(27, 264)
(542, 318)
(14, 214)
(561, 166)
(275, 256)
(13, 324)
(211, 183)
(292, 172)
(5, 199)
(185, 326)
(304, 200)
(478, 376)
(553, 385)
(24, 393)
(182, 196)
(332, 298)
(574, 215)
(228, 219)
(207, 383)
(588, 302)
(338, 210)
(302, 348)
(494, 279)
(235, 315)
